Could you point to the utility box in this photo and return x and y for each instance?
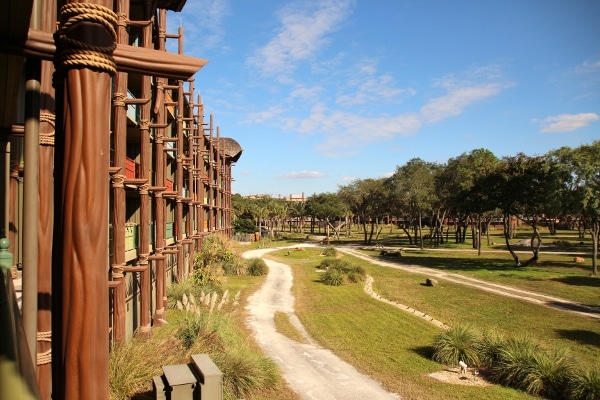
(210, 377)
(159, 387)
(182, 383)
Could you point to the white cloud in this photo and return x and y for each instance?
(302, 175)
(202, 23)
(306, 93)
(263, 116)
(378, 88)
(478, 84)
(302, 33)
(589, 66)
(566, 122)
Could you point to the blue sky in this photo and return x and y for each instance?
(320, 93)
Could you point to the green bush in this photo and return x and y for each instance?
(525, 365)
(333, 277)
(338, 271)
(457, 344)
(256, 267)
(330, 252)
(584, 385)
(489, 348)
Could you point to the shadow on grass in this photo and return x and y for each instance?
(590, 281)
(581, 336)
(424, 351)
(144, 396)
(454, 264)
(585, 308)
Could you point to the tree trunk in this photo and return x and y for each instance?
(507, 235)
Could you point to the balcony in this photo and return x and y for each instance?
(131, 168)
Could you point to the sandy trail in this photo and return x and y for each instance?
(313, 372)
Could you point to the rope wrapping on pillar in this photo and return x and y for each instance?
(47, 139)
(74, 53)
(46, 356)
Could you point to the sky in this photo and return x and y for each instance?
(320, 93)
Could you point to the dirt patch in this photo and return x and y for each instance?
(453, 376)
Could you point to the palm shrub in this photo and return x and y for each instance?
(584, 384)
(457, 344)
(551, 372)
(489, 347)
(526, 365)
(256, 267)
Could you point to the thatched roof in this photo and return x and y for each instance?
(233, 150)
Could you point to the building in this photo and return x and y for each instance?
(111, 176)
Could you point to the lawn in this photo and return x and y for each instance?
(395, 347)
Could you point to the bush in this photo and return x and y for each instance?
(256, 267)
(244, 225)
(526, 365)
(457, 344)
(330, 252)
(333, 277)
(584, 385)
(337, 272)
(489, 348)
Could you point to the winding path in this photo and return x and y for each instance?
(313, 372)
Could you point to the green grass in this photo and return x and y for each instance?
(396, 348)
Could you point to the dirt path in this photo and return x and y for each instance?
(502, 290)
(313, 372)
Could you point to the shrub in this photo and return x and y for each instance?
(338, 271)
(330, 252)
(525, 365)
(551, 372)
(516, 362)
(584, 385)
(333, 277)
(489, 348)
(256, 267)
(245, 372)
(235, 266)
(457, 344)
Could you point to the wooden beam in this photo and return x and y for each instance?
(128, 58)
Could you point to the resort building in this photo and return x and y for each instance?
(111, 176)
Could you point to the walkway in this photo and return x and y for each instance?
(311, 371)
(502, 290)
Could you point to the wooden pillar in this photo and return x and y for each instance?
(45, 214)
(160, 161)
(179, 178)
(145, 158)
(119, 138)
(80, 258)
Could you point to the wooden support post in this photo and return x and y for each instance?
(80, 285)
(119, 140)
(45, 216)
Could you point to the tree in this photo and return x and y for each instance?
(368, 200)
(583, 188)
(413, 193)
(521, 187)
(326, 207)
